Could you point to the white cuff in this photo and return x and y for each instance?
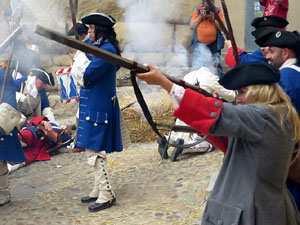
(176, 94)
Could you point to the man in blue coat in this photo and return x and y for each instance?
(284, 54)
(262, 26)
(99, 113)
(10, 146)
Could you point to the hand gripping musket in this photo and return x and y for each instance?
(228, 33)
(122, 62)
(3, 47)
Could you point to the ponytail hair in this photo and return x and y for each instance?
(109, 34)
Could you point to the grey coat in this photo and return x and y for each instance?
(250, 189)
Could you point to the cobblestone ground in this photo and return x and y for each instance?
(149, 190)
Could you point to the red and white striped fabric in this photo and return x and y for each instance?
(66, 86)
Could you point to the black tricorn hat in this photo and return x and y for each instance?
(262, 31)
(281, 39)
(99, 19)
(269, 21)
(47, 78)
(81, 29)
(250, 74)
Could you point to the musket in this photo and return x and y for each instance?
(110, 57)
(58, 146)
(13, 36)
(73, 15)
(178, 128)
(217, 17)
(128, 105)
(230, 31)
(122, 62)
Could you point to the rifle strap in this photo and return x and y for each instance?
(145, 109)
(141, 100)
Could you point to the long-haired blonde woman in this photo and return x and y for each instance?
(261, 131)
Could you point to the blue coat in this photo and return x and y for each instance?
(99, 111)
(255, 57)
(10, 146)
(290, 83)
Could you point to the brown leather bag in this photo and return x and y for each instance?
(294, 171)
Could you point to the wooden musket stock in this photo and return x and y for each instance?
(110, 57)
(217, 17)
(230, 31)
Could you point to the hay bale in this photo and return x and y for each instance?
(161, 109)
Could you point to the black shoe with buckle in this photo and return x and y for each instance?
(88, 199)
(100, 206)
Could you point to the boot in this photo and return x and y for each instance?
(4, 191)
(106, 196)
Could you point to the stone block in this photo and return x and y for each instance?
(183, 36)
(46, 61)
(62, 60)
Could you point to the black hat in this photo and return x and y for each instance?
(47, 78)
(99, 19)
(281, 39)
(81, 29)
(262, 31)
(250, 74)
(269, 21)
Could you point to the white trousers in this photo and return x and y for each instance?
(102, 188)
(4, 191)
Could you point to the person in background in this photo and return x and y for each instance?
(82, 31)
(207, 81)
(99, 112)
(262, 25)
(261, 132)
(32, 98)
(275, 7)
(207, 31)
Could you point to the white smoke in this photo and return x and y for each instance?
(149, 31)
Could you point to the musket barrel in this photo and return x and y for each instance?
(10, 39)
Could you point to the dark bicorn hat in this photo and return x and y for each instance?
(81, 29)
(250, 74)
(281, 39)
(47, 78)
(269, 21)
(100, 19)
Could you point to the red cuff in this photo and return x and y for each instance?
(229, 58)
(219, 142)
(198, 111)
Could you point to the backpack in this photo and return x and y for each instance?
(220, 38)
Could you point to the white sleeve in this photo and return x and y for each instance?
(176, 94)
(47, 112)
